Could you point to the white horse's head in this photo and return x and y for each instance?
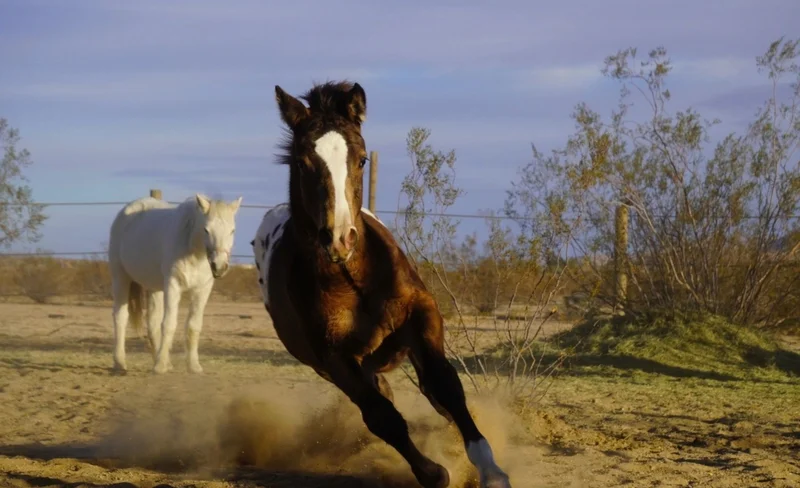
(219, 224)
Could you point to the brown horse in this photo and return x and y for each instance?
(344, 298)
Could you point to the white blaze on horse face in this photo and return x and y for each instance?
(332, 149)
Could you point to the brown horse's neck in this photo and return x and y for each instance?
(302, 224)
(306, 236)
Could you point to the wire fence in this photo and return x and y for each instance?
(250, 206)
(235, 256)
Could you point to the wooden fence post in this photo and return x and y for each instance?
(621, 257)
(155, 193)
(373, 178)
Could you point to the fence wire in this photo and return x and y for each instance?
(251, 206)
(262, 206)
(235, 256)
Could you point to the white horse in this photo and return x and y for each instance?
(156, 252)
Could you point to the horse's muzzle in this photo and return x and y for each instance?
(218, 271)
(340, 248)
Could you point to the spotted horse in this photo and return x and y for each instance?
(343, 297)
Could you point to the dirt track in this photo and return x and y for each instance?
(66, 421)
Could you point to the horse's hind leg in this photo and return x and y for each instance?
(371, 370)
(155, 314)
(120, 288)
(423, 387)
(383, 386)
(382, 418)
(439, 381)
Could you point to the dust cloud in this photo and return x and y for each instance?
(288, 432)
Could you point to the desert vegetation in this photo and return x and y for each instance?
(641, 214)
(634, 295)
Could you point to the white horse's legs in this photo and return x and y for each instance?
(155, 314)
(120, 287)
(194, 324)
(172, 298)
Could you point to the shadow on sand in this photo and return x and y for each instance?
(254, 354)
(91, 454)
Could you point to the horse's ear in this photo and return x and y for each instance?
(293, 112)
(236, 204)
(203, 203)
(356, 104)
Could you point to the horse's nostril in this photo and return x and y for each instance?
(213, 267)
(350, 238)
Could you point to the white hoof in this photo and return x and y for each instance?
(495, 479)
(195, 368)
(120, 367)
(481, 456)
(119, 362)
(162, 367)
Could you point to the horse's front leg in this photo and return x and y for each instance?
(194, 324)
(381, 417)
(172, 298)
(439, 382)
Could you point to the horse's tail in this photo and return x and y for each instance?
(137, 304)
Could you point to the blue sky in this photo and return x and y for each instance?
(114, 97)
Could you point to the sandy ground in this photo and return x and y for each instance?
(258, 418)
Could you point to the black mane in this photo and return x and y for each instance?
(327, 97)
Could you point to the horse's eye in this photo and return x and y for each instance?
(206, 229)
(363, 162)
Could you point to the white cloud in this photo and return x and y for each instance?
(488, 79)
(441, 35)
(564, 78)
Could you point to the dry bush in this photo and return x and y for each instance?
(509, 285)
(41, 278)
(239, 284)
(709, 232)
(92, 278)
(8, 286)
(712, 227)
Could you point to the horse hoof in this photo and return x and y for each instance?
(161, 368)
(438, 477)
(496, 480)
(195, 369)
(119, 370)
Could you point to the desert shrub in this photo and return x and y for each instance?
(239, 284)
(712, 228)
(517, 274)
(8, 285)
(41, 278)
(639, 213)
(92, 278)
